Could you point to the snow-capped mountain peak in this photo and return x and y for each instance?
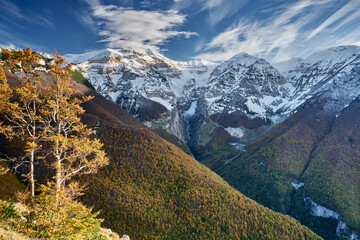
(333, 55)
(139, 79)
(245, 86)
(332, 73)
(244, 58)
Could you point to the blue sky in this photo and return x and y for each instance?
(214, 30)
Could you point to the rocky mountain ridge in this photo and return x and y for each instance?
(244, 92)
(144, 82)
(332, 73)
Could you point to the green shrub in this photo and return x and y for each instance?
(79, 77)
(68, 220)
(8, 209)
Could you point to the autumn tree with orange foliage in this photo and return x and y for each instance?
(23, 113)
(4, 94)
(48, 119)
(74, 151)
(49, 114)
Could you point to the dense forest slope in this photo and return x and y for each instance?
(307, 167)
(154, 190)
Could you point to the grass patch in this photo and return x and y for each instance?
(79, 77)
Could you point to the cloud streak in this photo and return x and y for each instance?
(294, 31)
(122, 27)
(8, 7)
(347, 13)
(218, 9)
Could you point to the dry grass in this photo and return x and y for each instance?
(8, 234)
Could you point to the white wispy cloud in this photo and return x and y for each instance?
(8, 7)
(123, 27)
(14, 40)
(218, 9)
(347, 13)
(8, 46)
(295, 30)
(9, 38)
(84, 18)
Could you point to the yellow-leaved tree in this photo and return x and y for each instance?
(68, 220)
(74, 151)
(22, 113)
(5, 93)
(48, 119)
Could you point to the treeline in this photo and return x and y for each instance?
(45, 119)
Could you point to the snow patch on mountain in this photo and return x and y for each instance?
(354, 237)
(162, 102)
(321, 211)
(255, 106)
(191, 111)
(235, 132)
(297, 185)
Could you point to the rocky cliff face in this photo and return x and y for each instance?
(242, 92)
(332, 74)
(248, 84)
(145, 83)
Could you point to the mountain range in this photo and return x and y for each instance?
(285, 134)
(152, 189)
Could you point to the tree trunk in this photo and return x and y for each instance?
(57, 153)
(58, 172)
(58, 181)
(32, 158)
(32, 180)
